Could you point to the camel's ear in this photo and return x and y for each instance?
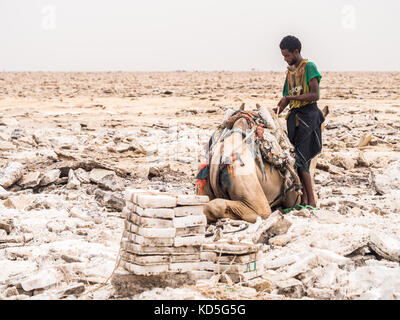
(258, 106)
(325, 111)
(242, 107)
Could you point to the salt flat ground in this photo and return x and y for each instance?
(150, 129)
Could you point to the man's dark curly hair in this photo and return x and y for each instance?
(291, 43)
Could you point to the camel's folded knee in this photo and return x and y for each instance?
(221, 208)
(215, 209)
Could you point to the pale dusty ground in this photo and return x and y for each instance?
(150, 128)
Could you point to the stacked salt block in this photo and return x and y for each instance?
(163, 232)
(241, 262)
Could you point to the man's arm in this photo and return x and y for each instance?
(313, 95)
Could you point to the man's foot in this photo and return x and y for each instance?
(300, 206)
(312, 207)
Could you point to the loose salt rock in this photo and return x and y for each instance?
(41, 279)
(3, 193)
(11, 174)
(280, 262)
(82, 175)
(386, 246)
(30, 180)
(50, 177)
(73, 182)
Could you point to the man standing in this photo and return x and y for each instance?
(300, 92)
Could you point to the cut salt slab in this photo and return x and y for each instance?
(130, 192)
(159, 259)
(149, 222)
(150, 232)
(188, 211)
(183, 266)
(144, 270)
(190, 231)
(201, 274)
(145, 250)
(231, 248)
(152, 242)
(243, 258)
(208, 256)
(149, 212)
(154, 201)
(191, 200)
(190, 221)
(207, 266)
(189, 241)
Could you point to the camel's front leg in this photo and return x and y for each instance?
(236, 210)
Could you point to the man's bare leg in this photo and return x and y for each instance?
(307, 188)
(304, 196)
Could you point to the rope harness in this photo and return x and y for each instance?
(261, 151)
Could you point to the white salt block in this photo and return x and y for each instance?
(228, 248)
(159, 259)
(150, 232)
(146, 259)
(183, 267)
(201, 274)
(152, 242)
(191, 200)
(206, 266)
(130, 192)
(161, 213)
(144, 270)
(150, 222)
(184, 211)
(243, 258)
(190, 221)
(158, 250)
(189, 241)
(154, 201)
(190, 231)
(208, 256)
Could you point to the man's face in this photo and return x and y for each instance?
(290, 57)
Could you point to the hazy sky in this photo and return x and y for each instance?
(167, 35)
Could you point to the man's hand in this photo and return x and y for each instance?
(281, 105)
